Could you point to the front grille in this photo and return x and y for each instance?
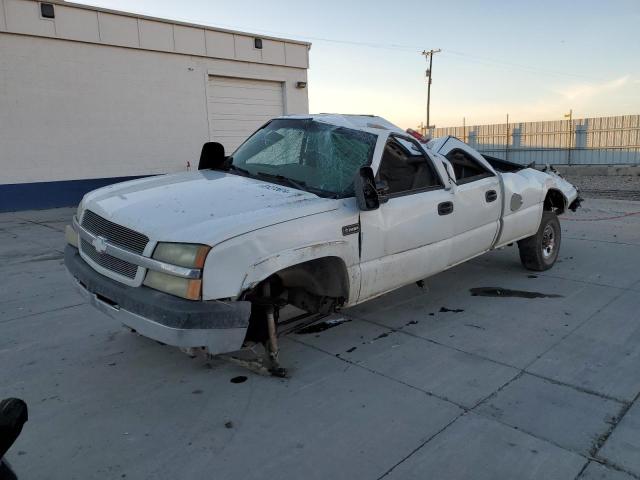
(115, 234)
(107, 261)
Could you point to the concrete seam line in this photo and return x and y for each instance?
(46, 225)
(422, 445)
(614, 466)
(543, 274)
(429, 340)
(520, 370)
(578, 388)
(533, 435)
(362, 367)
(499, 389)
(55, 310)
(602, 441)
(466, 410)
(563, 338)
(584, 467)
(604, 241)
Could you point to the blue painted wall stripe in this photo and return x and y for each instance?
(40, 195)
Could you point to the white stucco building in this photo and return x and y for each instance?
(89, 96)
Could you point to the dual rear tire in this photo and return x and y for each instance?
(540, 251)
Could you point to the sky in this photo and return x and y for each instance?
(533, 60)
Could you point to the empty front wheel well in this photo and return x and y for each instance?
(323, 277)
(317, 285)
(555, 202)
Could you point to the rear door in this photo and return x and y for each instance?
(237, 107)
(477, 204)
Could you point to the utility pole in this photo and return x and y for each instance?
(429, 57)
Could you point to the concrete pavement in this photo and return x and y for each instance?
(420, 383)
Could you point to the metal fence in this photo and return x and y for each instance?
(585, 141)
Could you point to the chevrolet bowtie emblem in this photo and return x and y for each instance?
(100, 244)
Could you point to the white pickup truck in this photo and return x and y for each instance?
(318, 211)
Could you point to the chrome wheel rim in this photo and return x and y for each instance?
(548, 241)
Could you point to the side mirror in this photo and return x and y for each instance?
(212, 156)
(366, 190)
(382, 187)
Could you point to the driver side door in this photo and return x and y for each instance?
(408, 237)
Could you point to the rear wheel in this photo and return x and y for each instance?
(540, 251)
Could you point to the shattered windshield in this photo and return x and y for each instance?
(307, 155)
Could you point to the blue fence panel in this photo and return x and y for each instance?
(585, 141)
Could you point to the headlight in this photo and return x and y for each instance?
(182, 254)
(79, 210)
(71, 235)
(187, 255)
(178, 286)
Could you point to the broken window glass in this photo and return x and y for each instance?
(315, 155)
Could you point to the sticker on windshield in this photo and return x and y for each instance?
(350, 229)
(275, 188)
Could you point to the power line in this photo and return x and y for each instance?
(487, 61)
(519, 65)
(412, 48)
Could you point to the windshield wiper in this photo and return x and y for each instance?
(238, 169)
(300, 185)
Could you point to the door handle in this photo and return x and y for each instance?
(445, 208)
(490, 196)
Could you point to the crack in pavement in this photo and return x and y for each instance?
(497, 362)
(419, 447)
(54, 310)
(465, 410)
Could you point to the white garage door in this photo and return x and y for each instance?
(239, 106)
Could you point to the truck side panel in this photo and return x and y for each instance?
(523, 202)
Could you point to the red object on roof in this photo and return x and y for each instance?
(417, 135)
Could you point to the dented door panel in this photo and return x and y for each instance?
(522, 206)
(476, 220)
(405, 240)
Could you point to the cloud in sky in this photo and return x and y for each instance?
(611, 97)
(585, 91)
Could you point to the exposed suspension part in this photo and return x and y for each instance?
(263, 330)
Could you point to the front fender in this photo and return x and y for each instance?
(239, 263)
(265, 267)
(556, 182)
(240, 278)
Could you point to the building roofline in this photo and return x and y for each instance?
(175, 22)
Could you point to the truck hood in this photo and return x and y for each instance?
(205, 207)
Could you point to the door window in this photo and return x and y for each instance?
(406, 169)
(467, 168)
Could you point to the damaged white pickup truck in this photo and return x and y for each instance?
(318, 211)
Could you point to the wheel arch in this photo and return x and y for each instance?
(555, 201)
(324, 276)
(319, 269)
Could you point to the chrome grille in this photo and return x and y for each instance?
(107, 261)
(115, 234)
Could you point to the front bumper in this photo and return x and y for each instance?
(215, 325)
